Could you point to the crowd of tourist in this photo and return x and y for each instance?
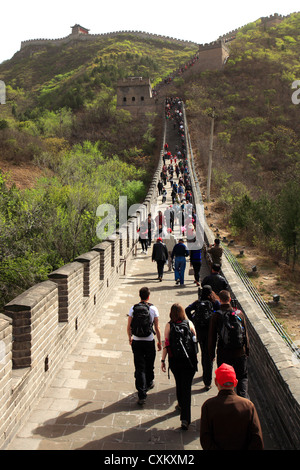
(211, 325)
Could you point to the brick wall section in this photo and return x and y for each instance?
(273, 369)
(31, 314)
(104, 250)
(69, 280)
(91, 262)
(5, 364)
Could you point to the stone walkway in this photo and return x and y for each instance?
(92, 402)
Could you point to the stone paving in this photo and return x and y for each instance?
(92, 402)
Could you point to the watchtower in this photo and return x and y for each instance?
(77, 29)
(135, 95)
(212, 56)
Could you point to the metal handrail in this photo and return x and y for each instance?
(239, 270)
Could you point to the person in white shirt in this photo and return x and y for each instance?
(143, 347)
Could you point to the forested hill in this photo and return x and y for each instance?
(72, 74)
(69, 91)
(60, 117)
(256, 164)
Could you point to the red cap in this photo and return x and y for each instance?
(225, 375)
(159, 239)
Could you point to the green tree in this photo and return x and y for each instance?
(289, 220)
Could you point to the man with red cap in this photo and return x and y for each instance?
(228, 421)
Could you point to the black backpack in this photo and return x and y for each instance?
(232, 330)
(203, 312)
(141, 324)
(181, 342)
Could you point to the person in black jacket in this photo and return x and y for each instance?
(200, 312)
(215, 280)
(225, 352)
(183, 368)
(160, 255)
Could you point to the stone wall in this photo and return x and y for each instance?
(94, 37)
(43, 324)
(135, 95)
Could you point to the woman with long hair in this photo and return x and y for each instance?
(183, 366)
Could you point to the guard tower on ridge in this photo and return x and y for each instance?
(135, 95)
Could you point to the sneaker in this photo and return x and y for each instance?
(184, 425)
(177, 282)
(151, 386)
(141, 401)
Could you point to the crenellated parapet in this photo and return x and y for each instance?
(94, 37)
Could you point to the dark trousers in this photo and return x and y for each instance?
(144, 243)
(240, 365)
(160, 268)
(206, 362)
(144, 357)
(183, 375)
(196, 268)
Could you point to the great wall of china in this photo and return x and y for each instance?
(82, 34)
(41, 326)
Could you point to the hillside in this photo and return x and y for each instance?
(68, 149)
(69, 92)
(256, 164)
(255, 194)
(61, 122)
(73, 74)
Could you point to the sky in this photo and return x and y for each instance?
(192, 20)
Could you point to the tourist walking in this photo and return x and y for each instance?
(195, 259)
(180, 253)
(151, 227)
(229, 422)
(143, 236)
(142, 318)
(182, 360)
(160, 255)
(216, 252)
(215, 280)
(170, 242)
(228, 340)
(200, 313)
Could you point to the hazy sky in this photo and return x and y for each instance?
(193, 20)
